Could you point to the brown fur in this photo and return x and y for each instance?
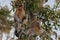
(20, 12)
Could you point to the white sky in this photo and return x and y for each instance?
(50, 3)
(5, 2)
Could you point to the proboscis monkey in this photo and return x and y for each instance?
(20, 13)
(19, 17)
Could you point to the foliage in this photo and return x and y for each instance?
(50, 17)
(4, 14)
(32, 6)
(5, 11)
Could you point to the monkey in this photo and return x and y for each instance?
(19, 18)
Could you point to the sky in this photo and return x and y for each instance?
(50, 3)
(5, 2)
